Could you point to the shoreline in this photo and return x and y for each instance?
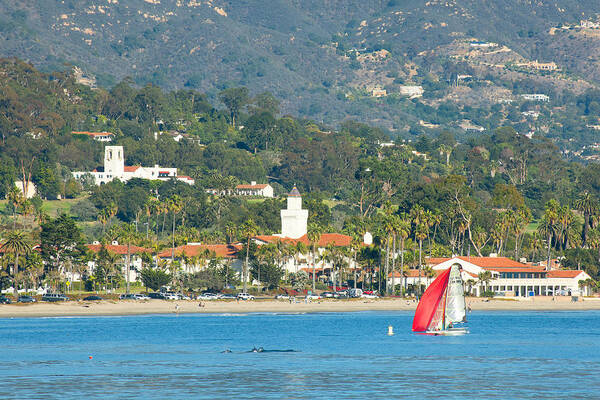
(123, 308)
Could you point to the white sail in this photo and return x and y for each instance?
(455, 298)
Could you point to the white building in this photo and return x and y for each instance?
(536, 97)
(115, 168)
(294, 220)
(254, 189)
(509, 277)
(97, 136)
(135, 254)
(412, 91)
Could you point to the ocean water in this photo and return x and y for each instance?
(507, 355)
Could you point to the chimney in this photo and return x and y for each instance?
(114, 243)
(493, 254)
(253, 183)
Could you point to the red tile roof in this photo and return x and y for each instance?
(563, 273)
(118, 249)
(133, 168)
(193, 250)
(499, 264)
(336, 239)
(413, 273)
(258, 186)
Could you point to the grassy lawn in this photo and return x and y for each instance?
(52, 207)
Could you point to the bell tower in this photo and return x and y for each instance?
(294, 219)
(114, 162)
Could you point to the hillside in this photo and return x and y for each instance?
(321, 58)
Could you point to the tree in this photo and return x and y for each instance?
(484, 279)
(248, 231)
(588, 206)
(17, 243)
(314, 232)
(154, 278)
(127, 234)
(403, 230)
(61, 241)
(175, 204)
(234, 99)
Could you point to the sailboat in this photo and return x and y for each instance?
(442, 309)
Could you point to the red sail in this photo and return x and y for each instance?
(429, 302)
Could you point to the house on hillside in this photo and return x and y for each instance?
(97, 136)
(115, 168)
(411, 91)
(254, 189)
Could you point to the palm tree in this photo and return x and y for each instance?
(421, 231)
(549, 224)
(298, 250)
(429, 273)
(174, 205)
(127, 233)
(248, 230)
(17, 243)
(314, 232)
(16, 198)
(27, 209)
(403, 230)
(588, 206)
(484, 279)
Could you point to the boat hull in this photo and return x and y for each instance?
(449, 332)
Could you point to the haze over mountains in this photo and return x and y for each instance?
(321, 57)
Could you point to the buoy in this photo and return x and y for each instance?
(390, 330)
(91, 357)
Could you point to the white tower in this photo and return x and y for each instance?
(114, 162)
(294, 220)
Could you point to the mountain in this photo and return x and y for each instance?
(321, 58)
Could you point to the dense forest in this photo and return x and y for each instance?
(497, 193)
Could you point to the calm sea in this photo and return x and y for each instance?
(508, 355)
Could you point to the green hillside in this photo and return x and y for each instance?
(304, 52)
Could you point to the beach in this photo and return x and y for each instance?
(132, 307)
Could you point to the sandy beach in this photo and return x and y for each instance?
(108, 307)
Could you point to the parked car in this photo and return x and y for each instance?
(208, 296)
(54, 297)
(93, 298)
(141, 296)
(245, 296)
(156, 295)
(369, 295)
(127, 296)
(355, 293)
(313, 296)
(328, 295)
(282, 297)
(5, 300)
(171, 296)
(226, 296)
(26, 299)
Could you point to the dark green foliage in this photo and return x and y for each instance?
(154, 278)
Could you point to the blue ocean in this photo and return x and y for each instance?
(507, 355)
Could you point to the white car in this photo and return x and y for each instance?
(141, 296)
(313, 296)
(171, 296)
(282, 297)
(208, 296)
(245, 296)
